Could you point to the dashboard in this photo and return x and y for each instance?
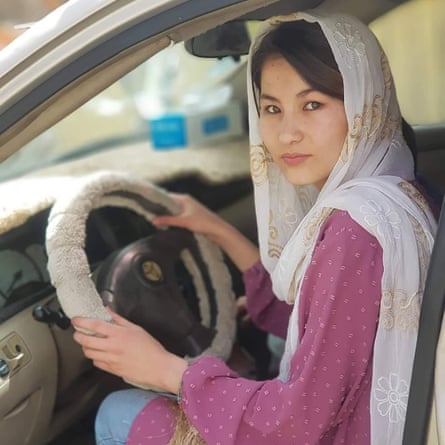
(24, 278)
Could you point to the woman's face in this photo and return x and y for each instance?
(304, 130)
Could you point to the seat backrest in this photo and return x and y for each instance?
(430, 147)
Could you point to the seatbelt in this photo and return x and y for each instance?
(422, 380)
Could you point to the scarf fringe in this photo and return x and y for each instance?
(185, 433)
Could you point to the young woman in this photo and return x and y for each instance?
(344, 243)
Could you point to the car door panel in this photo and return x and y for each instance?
(27, 393)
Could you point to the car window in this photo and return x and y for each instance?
(413, 37)
(171, 80)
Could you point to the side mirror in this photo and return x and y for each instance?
(228, 39)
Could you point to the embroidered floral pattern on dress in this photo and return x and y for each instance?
(382, 218)
(392, 395)
(400, 310)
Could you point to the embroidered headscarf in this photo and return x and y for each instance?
(371, 181)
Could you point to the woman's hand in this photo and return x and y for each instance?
(128, 351)
(241, 311)
(198, 218)
(194, 217)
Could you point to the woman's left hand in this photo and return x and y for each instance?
(128, 351)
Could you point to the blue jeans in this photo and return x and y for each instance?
(116, 414)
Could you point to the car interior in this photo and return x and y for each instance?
(106, 118)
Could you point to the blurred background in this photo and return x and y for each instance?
(15, 14)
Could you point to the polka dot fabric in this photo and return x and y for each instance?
(326, 400)
(154, 425)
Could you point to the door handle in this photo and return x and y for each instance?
(13, 358)
(14, 353)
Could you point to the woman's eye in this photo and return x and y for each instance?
(312, 106)
(271, 109)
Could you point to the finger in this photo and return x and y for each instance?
(168, 221)
(90, 341)
(119, 320)
(241, 301)
(180, 198)
(93, 326)
(86, 323)
(104, 366)
(100, 356)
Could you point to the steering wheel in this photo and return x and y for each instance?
(173, 283)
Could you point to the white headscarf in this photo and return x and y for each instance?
(370, 182)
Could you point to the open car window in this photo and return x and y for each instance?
(171, 81)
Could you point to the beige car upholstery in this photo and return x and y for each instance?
(27, 395)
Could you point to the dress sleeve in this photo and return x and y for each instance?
(265, 310)
(330, 371)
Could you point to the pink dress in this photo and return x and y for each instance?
(326, 400)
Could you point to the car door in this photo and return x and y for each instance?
(28, 382)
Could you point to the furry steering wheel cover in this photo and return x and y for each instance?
(68, 264)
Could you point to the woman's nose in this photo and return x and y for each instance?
(290, 130)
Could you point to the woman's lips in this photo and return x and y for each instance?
(294, 158)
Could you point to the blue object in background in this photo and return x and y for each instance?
(168, 131)
(215, 124)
